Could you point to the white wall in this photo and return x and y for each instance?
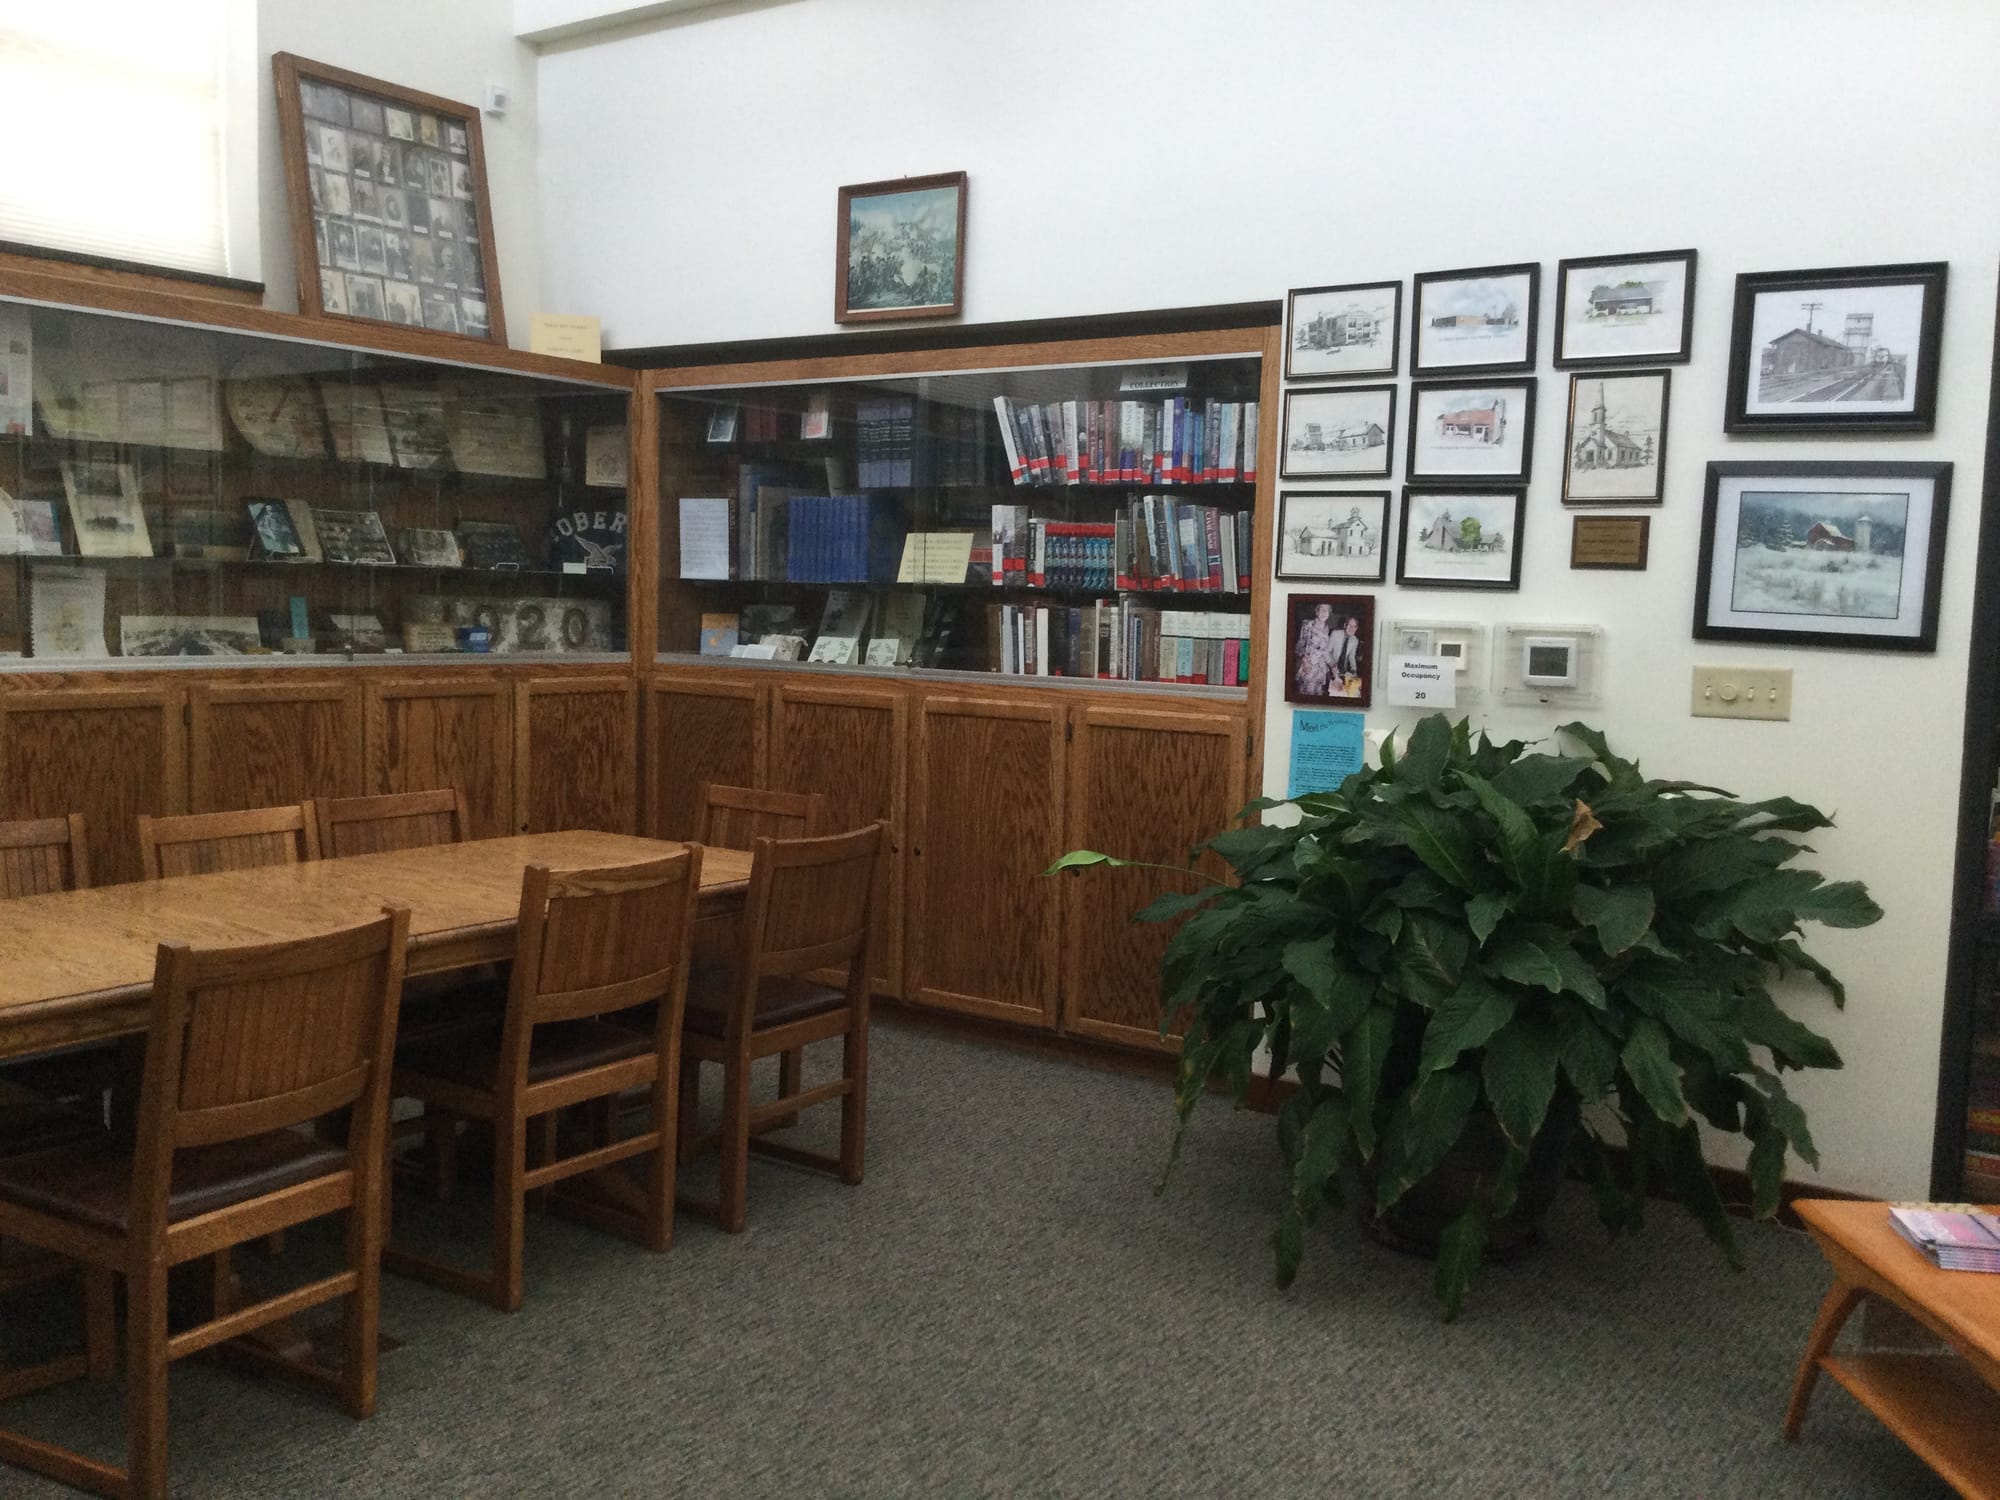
(451, 48)
(1170, 153)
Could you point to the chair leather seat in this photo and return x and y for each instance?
(90, 1181)
(712, 990)
(559, 1048)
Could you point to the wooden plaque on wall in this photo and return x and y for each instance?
(387, 189)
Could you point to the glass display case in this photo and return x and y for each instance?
(173, 490)
(1089, 520)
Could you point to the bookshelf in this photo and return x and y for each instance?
(1105, 690)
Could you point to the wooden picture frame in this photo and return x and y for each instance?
(1329, 657)
(366, 242)
(1615, 310)
(1855, 373)
(1780, 543)
(1444, 561)
(1333, 536)
(1336, 332)
(1615, 448)
(859, 294)
(1478, 431)
(1481, 320)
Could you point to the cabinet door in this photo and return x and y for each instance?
(423, 733)
(266, 744)
(699, 729)
(985, 821)
(575, 748)
(1142, 785)
(850, 744)
(108, 755)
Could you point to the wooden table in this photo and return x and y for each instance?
(78, 965)
(1946, 1408)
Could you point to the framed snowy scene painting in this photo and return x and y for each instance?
(1823, 554)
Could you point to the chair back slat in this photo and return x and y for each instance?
(250, 1040)
(40, 855)
(592, 942)
(395, 820)
(811, 902)
(735, 817)
(203, 843)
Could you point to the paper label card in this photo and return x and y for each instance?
(1425, 682)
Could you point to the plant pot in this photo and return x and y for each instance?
(1416, 1222)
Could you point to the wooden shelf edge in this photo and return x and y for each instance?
(1935, 1403)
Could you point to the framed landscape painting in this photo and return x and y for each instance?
(1346, 431)
(1481, 319)
(1333, 534)
(901, 249)
(1339, 331)
(1472, 430)
(1616, 449)
(1850, 350)
(1461, 539)
(1625, 309)
(1823, 554)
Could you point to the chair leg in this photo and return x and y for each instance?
(688, 1129)
(545, 1133)
(662, 1164)
(791, 1073)
(146, 1384)
(100, 1321)
(854, 1103)
(735, 1143)
(510, 1207)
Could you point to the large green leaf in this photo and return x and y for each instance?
(1688, 1171)
(1787, 1116)
(1464, 1019)
(1427, 754)
(1322, 1148)
(1717, 864)
(1589, 1057)
(1648, 1060)
(1170, 904)
(1430, 956)
(1578, 978)
(1792, 955)
(1519, 1072)
(1363, 1052)
(1425, 1124)
(1540, 778)
(1769, 908)
(1525, 960)
(1442, 842)
(1620, 915)
(1459, 1251)
(1767, 1164)
(1483, 913)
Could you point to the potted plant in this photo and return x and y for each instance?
(1485, 963)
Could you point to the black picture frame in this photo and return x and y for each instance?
(1525, 422)
(1355, 499)
(1579, 381)
(1676, 353)
(1294, 369)
(1814, 356)
(1429, 284)
(1300, 676)
(1716, 498)
(1307, 394)
(1475, 493)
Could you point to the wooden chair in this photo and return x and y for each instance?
(396, 820)
(811, 905)
(245, 1045)
(202, 843)
(40, 856)
(591, 943)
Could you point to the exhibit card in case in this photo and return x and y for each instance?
(494, 435)
(104, 511)
(353, 536)
(67, 613)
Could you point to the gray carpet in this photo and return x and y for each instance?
(1005, 1308)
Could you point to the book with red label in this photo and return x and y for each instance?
(1211, 533)
(1016, 466)
(1232, 437)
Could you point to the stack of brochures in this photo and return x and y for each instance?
(1953, 1237)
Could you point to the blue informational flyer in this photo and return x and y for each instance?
(1327, 748)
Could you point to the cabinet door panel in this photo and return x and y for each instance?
(699, 730)
(424, 734)
(1142, 785)
(108, 755)
(850, 744)
(985, 821)
(575, 745)
(263, 745)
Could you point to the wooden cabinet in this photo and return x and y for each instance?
(262, 744)
(421, 733)
(108, 754)
(848, 743)
(986, 818)
(699, 729)
(575, 753)
(1149, 785)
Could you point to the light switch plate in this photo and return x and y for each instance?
(1742, 693)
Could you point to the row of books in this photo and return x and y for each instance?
(1122, 640)
(1159, 543)
(855, 628)
(1953, 1237)
(1175, 440)
(884, 445)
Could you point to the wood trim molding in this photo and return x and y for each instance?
(93, 270)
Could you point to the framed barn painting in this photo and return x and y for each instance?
(387, 190)
(1823, 554)
(1625, 309)
(1461, 539)
(901, 249)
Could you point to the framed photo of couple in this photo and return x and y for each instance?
(1330, 643)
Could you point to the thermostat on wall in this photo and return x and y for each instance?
(1537, 663)
(1549, 661)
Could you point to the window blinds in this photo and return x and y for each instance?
(116, 142)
